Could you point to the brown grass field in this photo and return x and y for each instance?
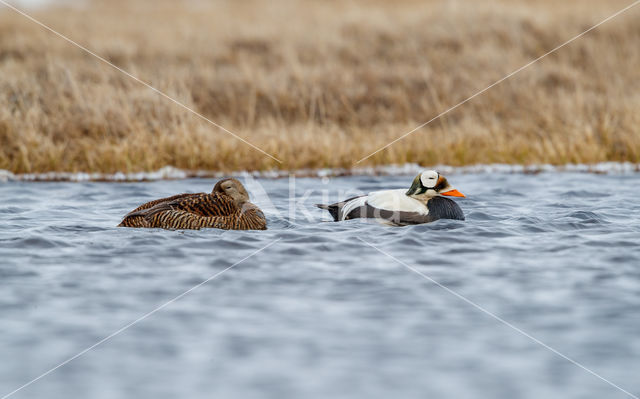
(317, 84)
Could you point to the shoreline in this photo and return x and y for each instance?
(172, 173)
(341, 94)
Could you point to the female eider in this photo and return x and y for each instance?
(227, 207)
(422, 203)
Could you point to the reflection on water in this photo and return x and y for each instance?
(320, 313)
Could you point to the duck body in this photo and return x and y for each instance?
(223, 208)
(422, 203)
(395, 207)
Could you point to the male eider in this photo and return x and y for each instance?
(227, 207)
(422, 203)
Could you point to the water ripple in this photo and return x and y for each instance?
(320, 313)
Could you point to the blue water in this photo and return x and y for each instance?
(320, 313)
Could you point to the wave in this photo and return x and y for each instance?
(172, 173)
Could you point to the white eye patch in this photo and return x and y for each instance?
(429, 178)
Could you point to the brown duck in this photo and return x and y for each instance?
(227, 207)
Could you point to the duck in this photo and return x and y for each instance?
(226, 207)
(424, 202)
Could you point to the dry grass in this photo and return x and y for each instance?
(317, 83)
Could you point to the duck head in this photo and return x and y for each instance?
(429, 184)
(233, 188)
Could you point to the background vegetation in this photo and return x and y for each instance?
(317, 84)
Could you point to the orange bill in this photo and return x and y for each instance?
(453, 193)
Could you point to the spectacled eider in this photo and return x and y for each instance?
(422, 203)
(227, 207)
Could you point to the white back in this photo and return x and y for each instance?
(396, 200)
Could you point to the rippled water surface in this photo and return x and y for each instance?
(320, 313)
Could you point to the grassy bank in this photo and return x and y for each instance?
(317, 84)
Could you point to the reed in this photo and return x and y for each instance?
(317, 84)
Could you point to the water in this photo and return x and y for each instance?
(320, 313)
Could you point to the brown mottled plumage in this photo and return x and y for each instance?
(227, 207)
